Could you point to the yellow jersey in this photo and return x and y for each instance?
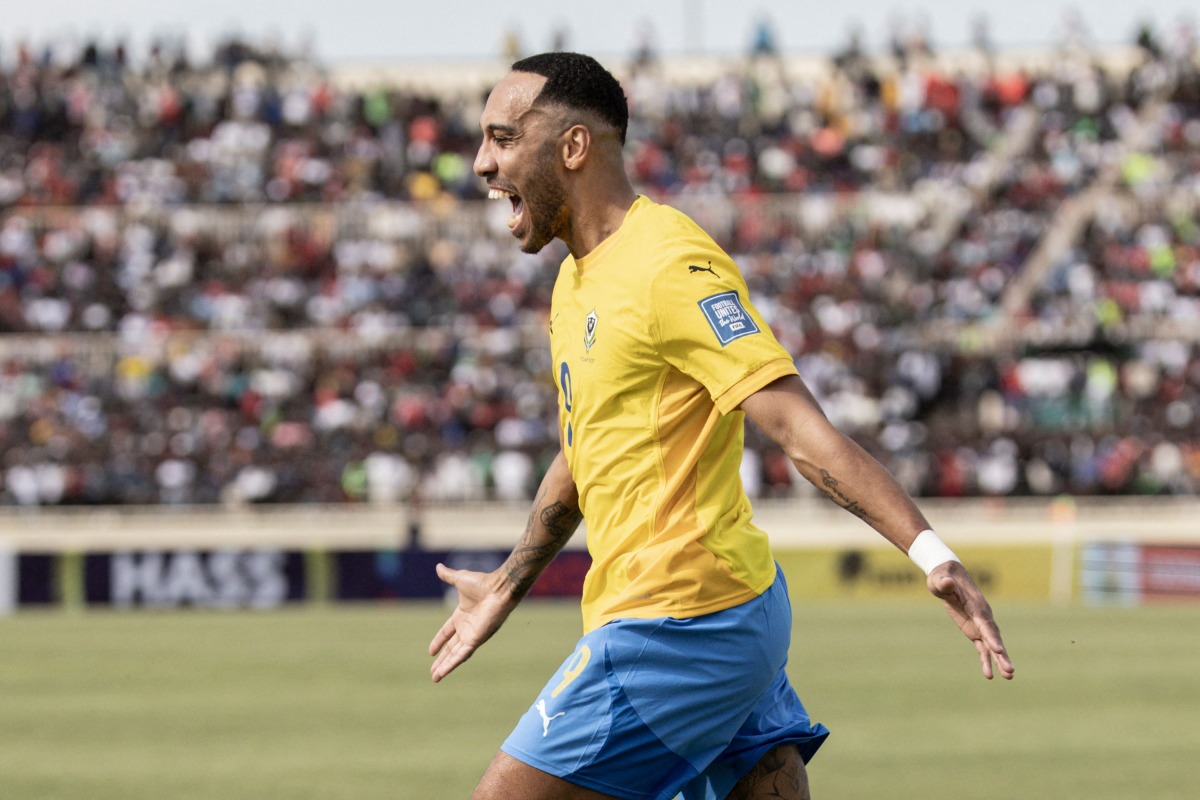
(655, 345)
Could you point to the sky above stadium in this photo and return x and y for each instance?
(348, 31)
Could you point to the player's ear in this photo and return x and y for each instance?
(574, 146)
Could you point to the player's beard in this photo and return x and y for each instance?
(545, 204)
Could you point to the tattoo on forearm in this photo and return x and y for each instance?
(560, 520)
(830, 485)
(528, 559)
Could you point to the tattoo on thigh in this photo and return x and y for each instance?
(779, 774)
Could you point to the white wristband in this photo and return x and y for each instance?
(929, 552)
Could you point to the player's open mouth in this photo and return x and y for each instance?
(518, 206)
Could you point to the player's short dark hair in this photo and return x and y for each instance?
(579, 82)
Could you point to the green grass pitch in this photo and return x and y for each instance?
(336, 702)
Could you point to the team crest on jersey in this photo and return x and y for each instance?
(589, 333)
(727, 317)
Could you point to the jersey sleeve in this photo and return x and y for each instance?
(706, 327)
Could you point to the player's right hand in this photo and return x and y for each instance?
(965, 604)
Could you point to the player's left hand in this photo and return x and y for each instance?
(966, 605)
(483, 605)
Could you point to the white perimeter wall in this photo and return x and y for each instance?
(812, 522)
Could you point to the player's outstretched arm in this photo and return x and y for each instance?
(485, 599)
(787, 412)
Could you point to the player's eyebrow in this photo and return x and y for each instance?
(491, 129)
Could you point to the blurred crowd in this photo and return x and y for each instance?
(245, 281)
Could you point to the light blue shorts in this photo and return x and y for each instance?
(651, 709)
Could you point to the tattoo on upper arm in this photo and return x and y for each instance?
(830, 485)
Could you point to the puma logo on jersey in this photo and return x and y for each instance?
(694, 269)
(546, 720)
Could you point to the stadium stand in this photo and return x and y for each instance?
(259, 280)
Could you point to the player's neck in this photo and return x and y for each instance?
(597, 216)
